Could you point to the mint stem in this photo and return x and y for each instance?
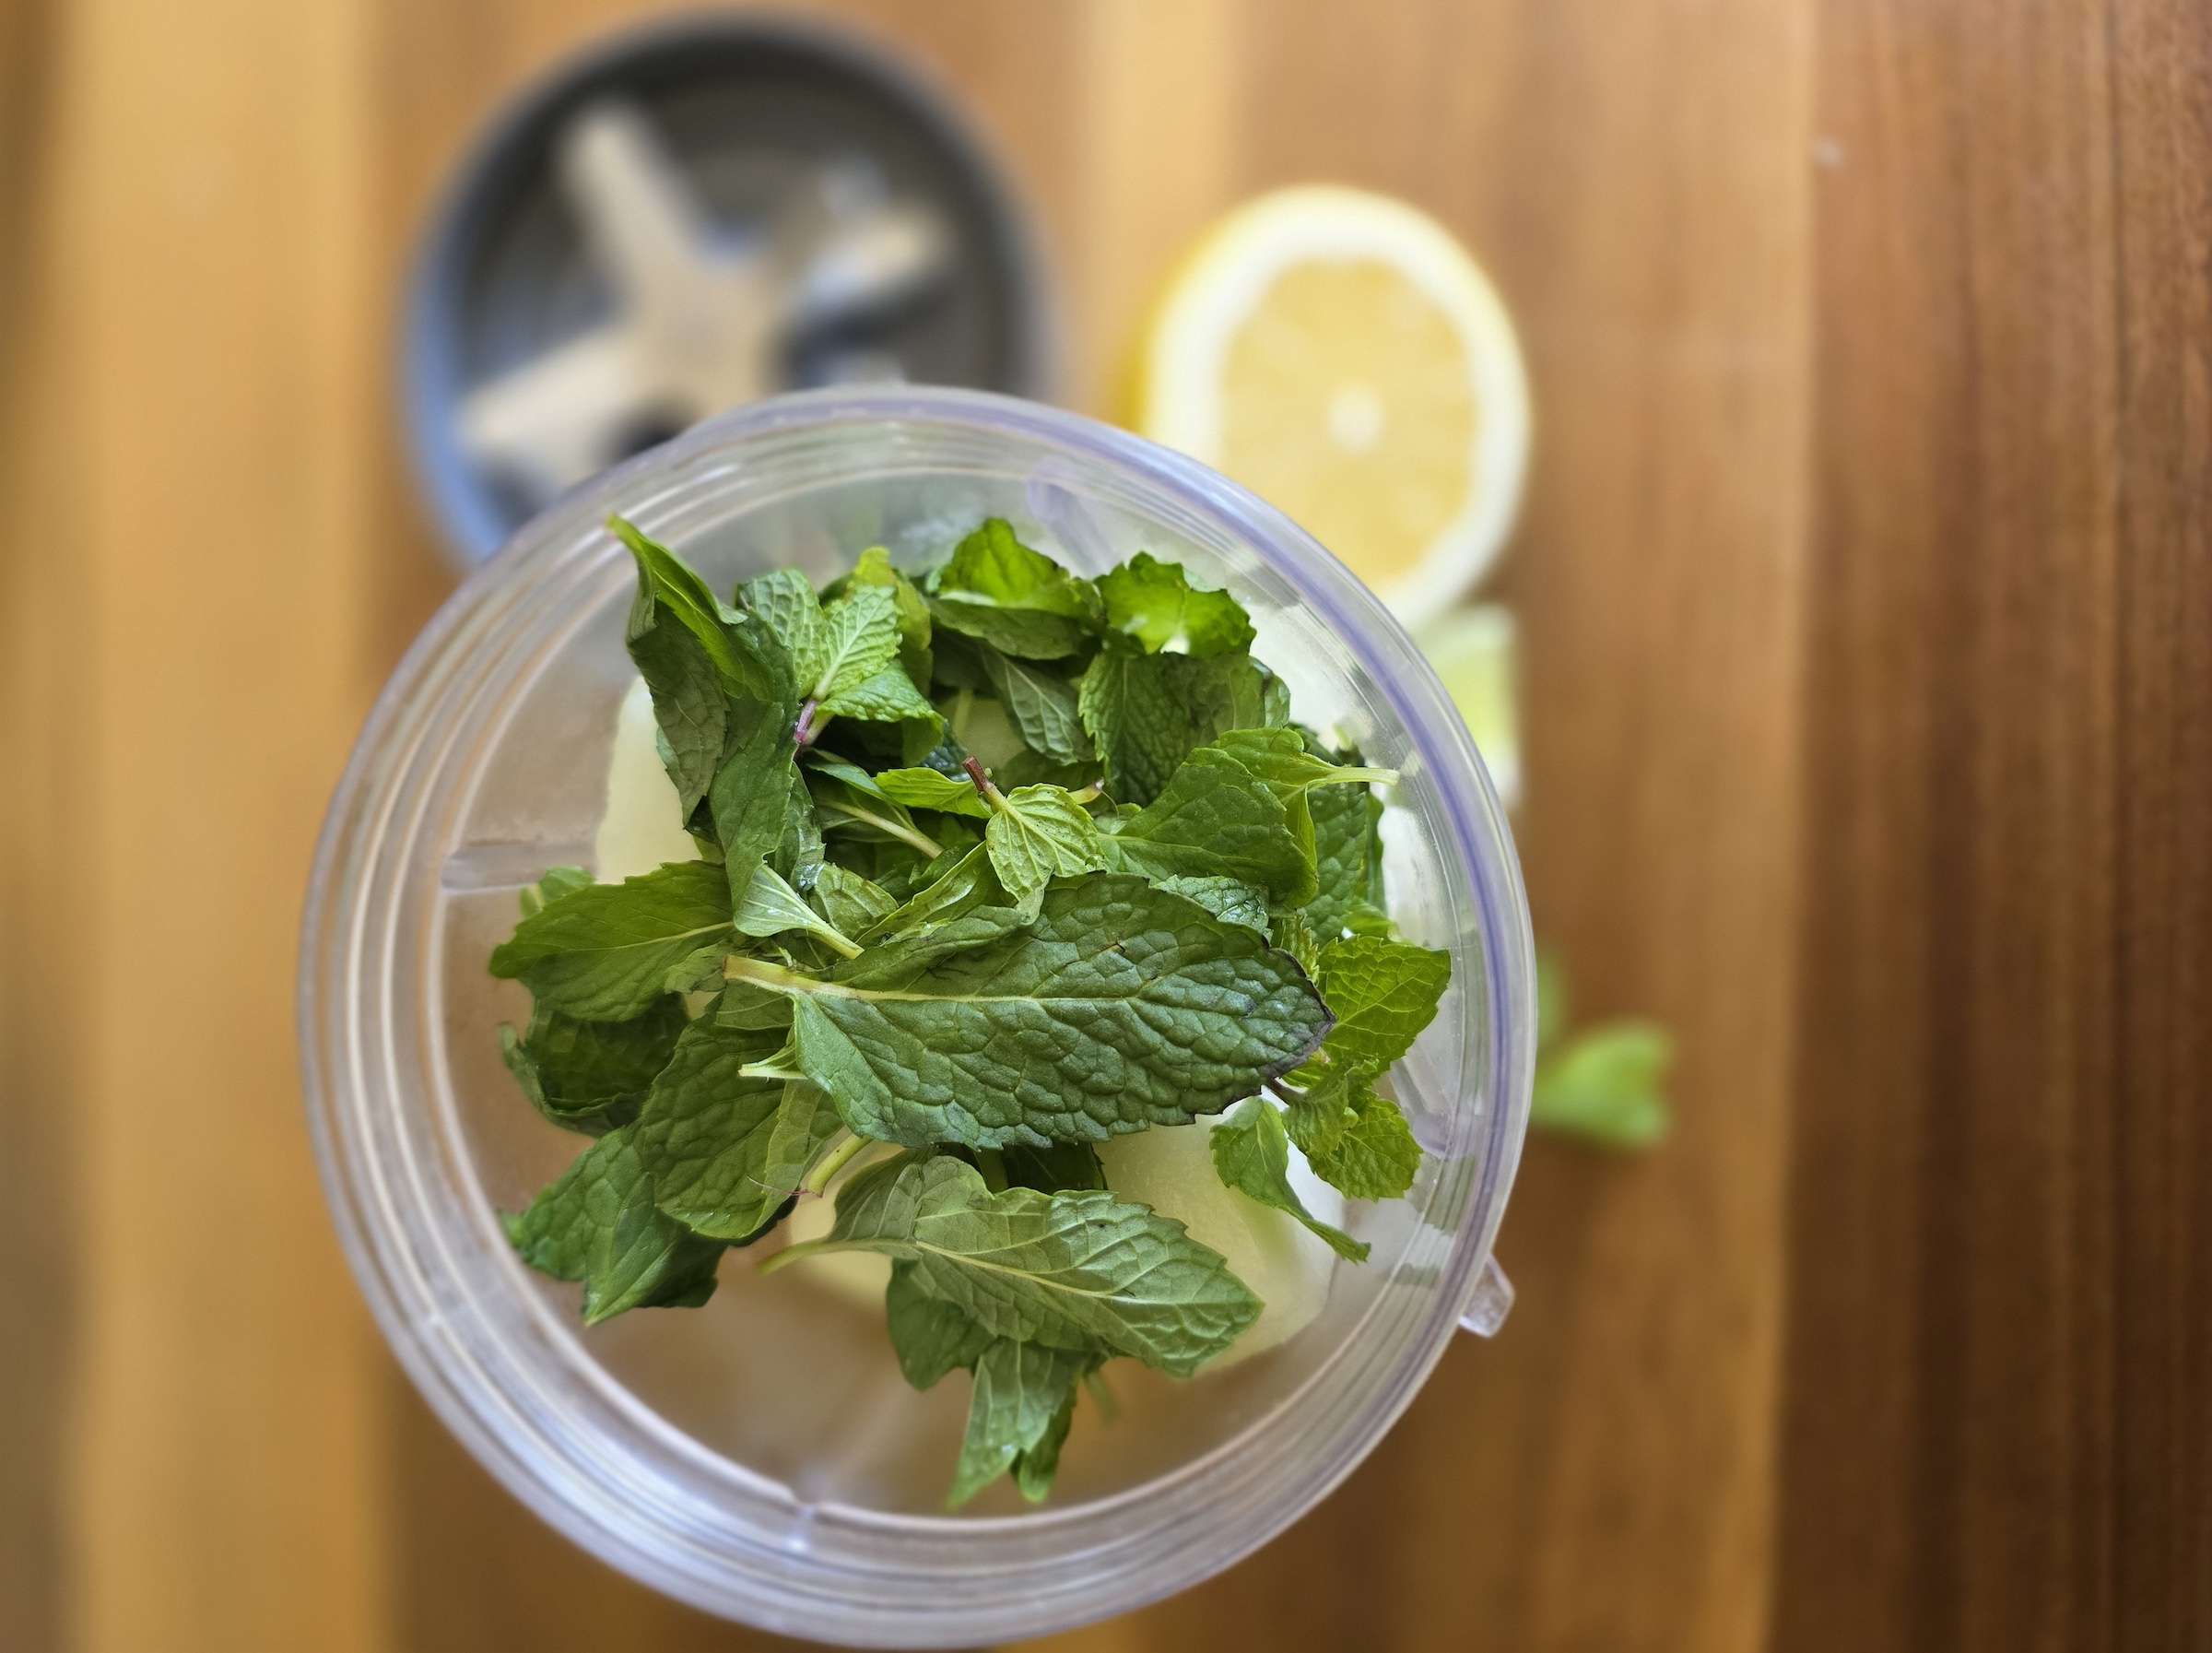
(991, 794)
(836, 1159)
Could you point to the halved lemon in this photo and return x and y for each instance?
(1342, 356)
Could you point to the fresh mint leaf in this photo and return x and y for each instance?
(968, 885)
(852, 903)
(1054, 1168)
(1346, 857)
(1217, 820)
(1375, 1156)
(850, 801)
(602, 953)
(1318, 1116)
(557, 882)
(1120, 1006)
(1042, 704)
(1606, 1086)
(751, 791)
(998, 591)
(1227, 898)
(1294, 935)
(771, 907)
(1022, 1390)
(1252, 1154)
(931, 1337)
(1146, 714)
(1383, 994)
(598, 1225)
(1278, 757)
(725, 1148)
(591, 1076)
(1039, 1464)
(875, 568)
(1040, 834)
(1027, 768)
(861, 638)
(1152, 602)
(887, 695)
(927, 789)
(1083, 1272)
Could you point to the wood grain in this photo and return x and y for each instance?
(1996, 1436)
(185, 568)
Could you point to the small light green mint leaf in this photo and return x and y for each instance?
(1021, 1391)
(1152, 602)
(1039, 834)
(592, 1076)
(1333, 1100)
(927, 789)
(598, 1223)
(1278, 757)
(998, 591)
(931, 1337)
(558, 881)
(696, 971)
(1120, 1006)
(1252, 1154)
(750, 796)
(1346, 857)
(1042, 704)
(799, 852)
(784, 603)
(1294, 935)
(1376, 1156)
(1148, 713)
(875, 568)
(851, 810)
(852, 903)
(1382, 993)
(1604, 1085)
(1229, 898)
(1083, 1272)
(725, 1148)
(886, 695)
(771, 907)
(1215, 819)
(602, 953)
(1365, 919)
(860, 638)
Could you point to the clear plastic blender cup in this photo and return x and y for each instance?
(762, 1457)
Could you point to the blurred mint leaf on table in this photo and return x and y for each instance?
(1603, 1084)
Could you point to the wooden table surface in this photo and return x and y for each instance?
(1866, 597)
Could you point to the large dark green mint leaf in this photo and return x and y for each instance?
(598, 1223)
(1148, 713)
(997, 590)
(1053, 1169)
(1024, 1393)
(931, 1337)
(726, 1149)
(1042, 704)
(1083, 1272)
(1121, 1006)
(1217, 820)
(1152, 602)
(1252, 1154)
(1382, 993)
(750, 795)
(592, 1076)
(1375, 1156)
(1040, 834)
(603, 953)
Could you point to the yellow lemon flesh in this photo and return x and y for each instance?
(1341, 355)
